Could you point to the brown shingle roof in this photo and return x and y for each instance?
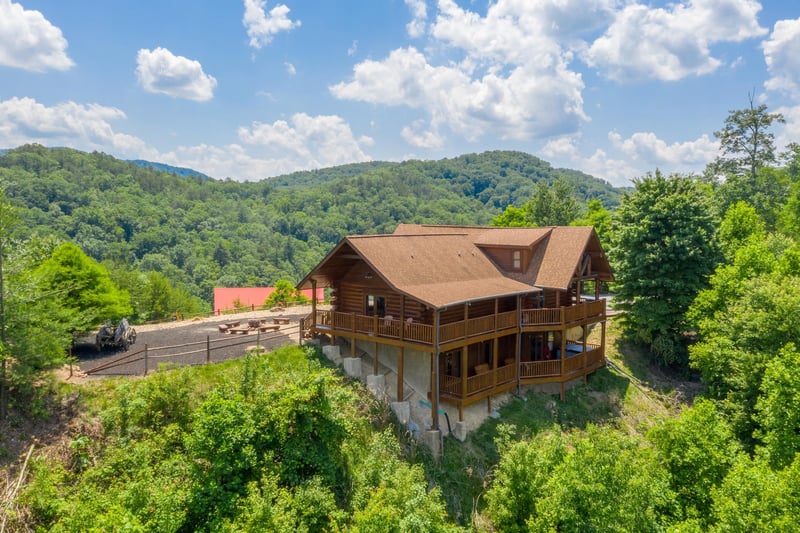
(442, 265)
(561, 256)
(512, 237)
(436, 269)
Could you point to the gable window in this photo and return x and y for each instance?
(375, 305)
(516, 260)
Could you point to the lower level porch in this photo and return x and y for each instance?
(483, 382)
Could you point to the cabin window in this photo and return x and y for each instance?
(375, 305)
(516, 259)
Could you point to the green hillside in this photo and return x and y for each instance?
(694, 424)
(203, 233)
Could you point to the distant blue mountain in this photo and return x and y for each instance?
(180, 171)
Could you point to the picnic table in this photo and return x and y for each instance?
(280, 320)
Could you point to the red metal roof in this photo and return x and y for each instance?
(225, 297)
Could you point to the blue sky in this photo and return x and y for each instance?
(249, 89)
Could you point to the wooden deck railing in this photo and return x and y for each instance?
(418, 332)
(575, 363)
(563, 316)
(453, 385)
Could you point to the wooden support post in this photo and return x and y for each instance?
(314, 302)
(466, 320)
(563, 354)
(434, 390)
(603, 339)
(208, 349)
(145, 360)
(300, 333)
(352, 347)
(495, 350)
(464, 372)
(402, 317)
(583, 353)
(495, 357)
(518, 354)
(375, 361)
(437, 318)
(400, 363)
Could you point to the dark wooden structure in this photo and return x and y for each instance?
(495, 308)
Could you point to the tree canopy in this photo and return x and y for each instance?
(84, 286)
(201, 233)
(745, 140)
(663, 251)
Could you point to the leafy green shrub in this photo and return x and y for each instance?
(285, 293)
(778, 407)
(698, 448)
(41, 495)
(223, 456)
(523, 472)
(606, 482)
(757, 499)
(392, 496)
(598, 481)
(298, 425)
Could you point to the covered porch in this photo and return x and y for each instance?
(407, 330)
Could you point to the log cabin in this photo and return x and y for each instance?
(465, 313)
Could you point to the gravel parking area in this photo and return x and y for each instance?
(195, 341)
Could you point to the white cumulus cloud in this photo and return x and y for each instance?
(262, 26)
(29, 41)
(680, 156)
(160, 71)
(673, 42)
(565, 151)
(81, 126)
(505, 73)
(311, 142)
(515, 105)
(419, 14)
(782, 54)
(633, 157)
(265, 150)
(417, 135)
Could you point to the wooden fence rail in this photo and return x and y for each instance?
(207, 346)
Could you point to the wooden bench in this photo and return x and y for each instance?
(264, 329)
(240, 329)
(281, 320)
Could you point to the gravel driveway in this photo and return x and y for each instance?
(188, 342)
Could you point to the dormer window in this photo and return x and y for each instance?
(516, 260)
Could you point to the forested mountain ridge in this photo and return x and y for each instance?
(202, 233)
(180, 171)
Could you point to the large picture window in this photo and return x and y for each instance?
(375, 305)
